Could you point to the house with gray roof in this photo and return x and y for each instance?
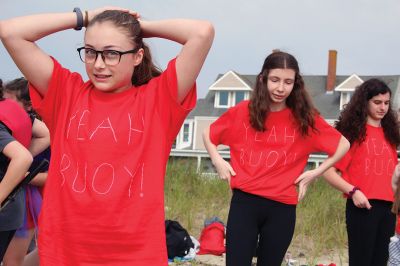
(329, 93)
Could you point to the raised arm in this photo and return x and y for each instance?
(224, 169)
(196, 36)
(19, 36)
(307, 177)
(20, 160)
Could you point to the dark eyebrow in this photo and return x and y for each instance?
(111, 47)
(108, 47)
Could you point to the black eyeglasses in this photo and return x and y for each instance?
(110, 57)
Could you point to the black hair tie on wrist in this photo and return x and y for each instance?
(79, 18)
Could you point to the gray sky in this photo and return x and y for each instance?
(366, 33)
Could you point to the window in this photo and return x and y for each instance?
(239, 96)
(345, 99)
(185, 135)
(226, 99)
(186, 132)
(174, 144)
(223, 98)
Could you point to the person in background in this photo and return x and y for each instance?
(111, 135)
(19, 139)
(364, 174)
(394, 245)
(17, 90)
(270, 139)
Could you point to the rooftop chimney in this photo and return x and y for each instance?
(331, 78)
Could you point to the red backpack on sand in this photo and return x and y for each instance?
(212, 239)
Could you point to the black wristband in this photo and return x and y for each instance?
(79, 18)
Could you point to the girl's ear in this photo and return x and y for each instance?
(138, 57)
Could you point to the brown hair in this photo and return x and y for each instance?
(353, 119)
(146, 70)
(19, 87)
(298, 101)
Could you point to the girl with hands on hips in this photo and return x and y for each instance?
(270, 138)
(105, 188)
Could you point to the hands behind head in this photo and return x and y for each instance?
(93, 13)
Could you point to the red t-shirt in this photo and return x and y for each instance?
(267, 163)
(370, 165)
(104, 195)
(398, 225)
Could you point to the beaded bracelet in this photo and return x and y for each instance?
(351, 193)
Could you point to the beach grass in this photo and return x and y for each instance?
(190, 198)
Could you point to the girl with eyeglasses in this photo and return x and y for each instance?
(111, 135)
(270, 138)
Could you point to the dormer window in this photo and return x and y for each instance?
(345, 99)
(239, 96)
(226, 99)
(347, 88)
(223, 100)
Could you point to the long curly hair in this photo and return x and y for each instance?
(353, 119)
(146, 70)
(298, 101)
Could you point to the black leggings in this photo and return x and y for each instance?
(369, 233)
(5, 239)
(252, 217)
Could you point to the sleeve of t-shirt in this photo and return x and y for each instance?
(326, 139)
(220, 130)
(173, 112)
(62, 85)
(344, 162)
(5, 136)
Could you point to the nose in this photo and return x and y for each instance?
(383, 106)
(281, 86)
(99, 61)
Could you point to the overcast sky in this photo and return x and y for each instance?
(366, 33)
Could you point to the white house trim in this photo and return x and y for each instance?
(245, 85)
(344, 85)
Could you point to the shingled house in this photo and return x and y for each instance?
(329, 92)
